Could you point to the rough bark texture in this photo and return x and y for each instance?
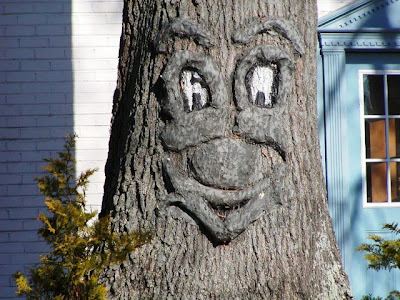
(279, 247)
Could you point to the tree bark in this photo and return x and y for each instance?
(253, 224)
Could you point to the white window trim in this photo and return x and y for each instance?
(364, 160)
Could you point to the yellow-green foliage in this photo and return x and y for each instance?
(383, 254)
(79, 251)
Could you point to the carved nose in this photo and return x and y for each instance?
(226, 164)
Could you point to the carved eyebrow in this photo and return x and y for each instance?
(186, 29)
(247, 33)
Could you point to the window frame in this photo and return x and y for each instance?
(364, 159)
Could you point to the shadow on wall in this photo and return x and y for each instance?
(36, 112)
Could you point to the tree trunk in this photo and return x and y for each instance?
(214, 149)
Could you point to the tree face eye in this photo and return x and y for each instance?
(196, 95)
(262, 84)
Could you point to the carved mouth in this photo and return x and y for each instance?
(217, 198)
(240, 207)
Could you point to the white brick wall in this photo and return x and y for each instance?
(58, 68)
(96, 28)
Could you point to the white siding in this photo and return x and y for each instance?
(58, 63)
(327, 6)
(96, 29)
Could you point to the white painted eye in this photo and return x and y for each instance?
(194, 89)
(262, 85)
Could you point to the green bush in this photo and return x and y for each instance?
(383, 254)
(79, 251)
(393, 295)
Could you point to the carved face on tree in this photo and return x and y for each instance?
(226, 150)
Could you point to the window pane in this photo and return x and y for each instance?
(375, 138)
(373, 95)
(394, 138)
(394, 94)
(394, 181)
(376, 182)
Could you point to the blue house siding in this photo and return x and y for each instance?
(362, 37)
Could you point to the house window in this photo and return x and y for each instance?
(381, 122)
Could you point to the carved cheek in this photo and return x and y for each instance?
(263, 81)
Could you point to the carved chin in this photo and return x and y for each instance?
(226, 194)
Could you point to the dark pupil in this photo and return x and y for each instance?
(260, 98)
